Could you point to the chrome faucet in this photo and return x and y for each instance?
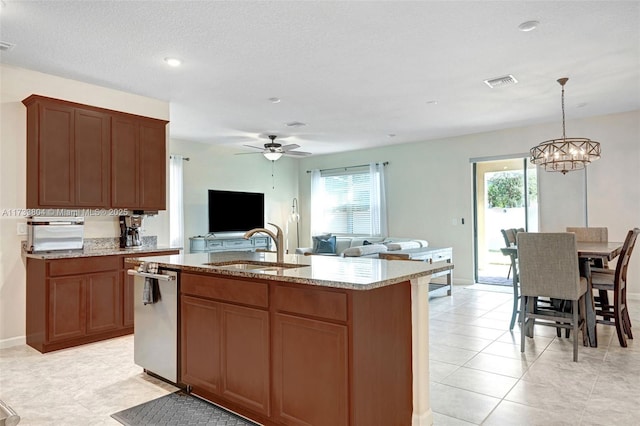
(278, 238)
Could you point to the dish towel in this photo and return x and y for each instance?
(151, 291)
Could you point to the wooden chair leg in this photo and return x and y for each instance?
(523, 324)
(576, 324)
(515, 307)
(619, 322)
(627, 322)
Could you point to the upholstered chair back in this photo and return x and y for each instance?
(549, 265)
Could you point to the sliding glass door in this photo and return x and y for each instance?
(505, 196)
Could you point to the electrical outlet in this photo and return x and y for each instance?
(22, 229)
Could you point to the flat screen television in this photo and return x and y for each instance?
(234, 211)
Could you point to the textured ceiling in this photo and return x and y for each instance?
(354, 71)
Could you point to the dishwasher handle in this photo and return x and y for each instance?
(160, 277)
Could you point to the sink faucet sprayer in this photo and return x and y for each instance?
(278, 238)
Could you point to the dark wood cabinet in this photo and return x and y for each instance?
(104, 302)
(245, 357)
(200, 343)
(310, 371)
(68, 154)
(292, 354)
(80, 156)
(225, 348)
(138, 155)
(67, 309)
(75, 301)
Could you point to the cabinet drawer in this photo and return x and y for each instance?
(85, 265)
(213, 244)
(225, 289)
(241, 243)
(261, 241)
(317, 303)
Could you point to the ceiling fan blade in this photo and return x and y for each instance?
(296, 153)
(290, 147)
(245, 153)
(255, 147)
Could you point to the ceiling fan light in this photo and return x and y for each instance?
(272, 156)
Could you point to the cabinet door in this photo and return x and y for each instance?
(153, 165)
(200, 343)
(66, 317)
(245, 357)
(124, 162)
(54, 151)
(103, 302)
(310, 382)
(92, 142)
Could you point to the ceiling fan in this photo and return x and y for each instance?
(274, 150)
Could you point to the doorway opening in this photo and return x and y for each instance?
(505, 196)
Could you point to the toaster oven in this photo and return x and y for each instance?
(54, 234)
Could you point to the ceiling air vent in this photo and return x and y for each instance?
(5, 46)
(507, 80)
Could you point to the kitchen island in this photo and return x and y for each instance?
(312, 341)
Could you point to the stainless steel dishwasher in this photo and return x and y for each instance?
(156, 323)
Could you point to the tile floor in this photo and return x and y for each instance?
(478, 375)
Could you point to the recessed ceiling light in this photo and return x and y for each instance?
(528, 26)
(581, 105)
(274, 100)
(173, 62)
(432, 102)
(295, 124)
(391, 135)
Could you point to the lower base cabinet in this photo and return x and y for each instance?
(310, 371)
(83, 305)
(74, 301)
(225, 346)
(292, 354)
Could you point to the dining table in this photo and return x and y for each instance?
(587, 252)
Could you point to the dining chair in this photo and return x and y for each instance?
(509, 236)
(592, 235)
(548, 267)
(615, 280)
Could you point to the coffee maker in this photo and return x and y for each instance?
(130, 231)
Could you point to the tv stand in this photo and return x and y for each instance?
(230, 242)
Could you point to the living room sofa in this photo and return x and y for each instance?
(360, 246)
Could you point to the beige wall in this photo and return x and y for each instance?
(15, 85)
(217, 167)
(430, 183)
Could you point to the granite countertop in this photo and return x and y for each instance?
(355, 273)
(99, 251)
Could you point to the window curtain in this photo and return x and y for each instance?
(176, 201)
(317, 194)
(377, 200)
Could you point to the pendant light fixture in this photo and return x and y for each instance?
(565, 154)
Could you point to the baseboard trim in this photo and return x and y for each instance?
(13, 341)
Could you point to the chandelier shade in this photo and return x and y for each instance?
(565, 154)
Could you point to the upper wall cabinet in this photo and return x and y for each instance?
(138, 155)
(68, 154)
(79, 156)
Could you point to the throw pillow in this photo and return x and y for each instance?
(324, 244)
(366, 243)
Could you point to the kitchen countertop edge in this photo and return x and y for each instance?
(396, 271)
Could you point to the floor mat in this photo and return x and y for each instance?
(179, 409)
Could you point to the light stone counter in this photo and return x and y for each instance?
(339, 272)
(99, 251)
(359, 273)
